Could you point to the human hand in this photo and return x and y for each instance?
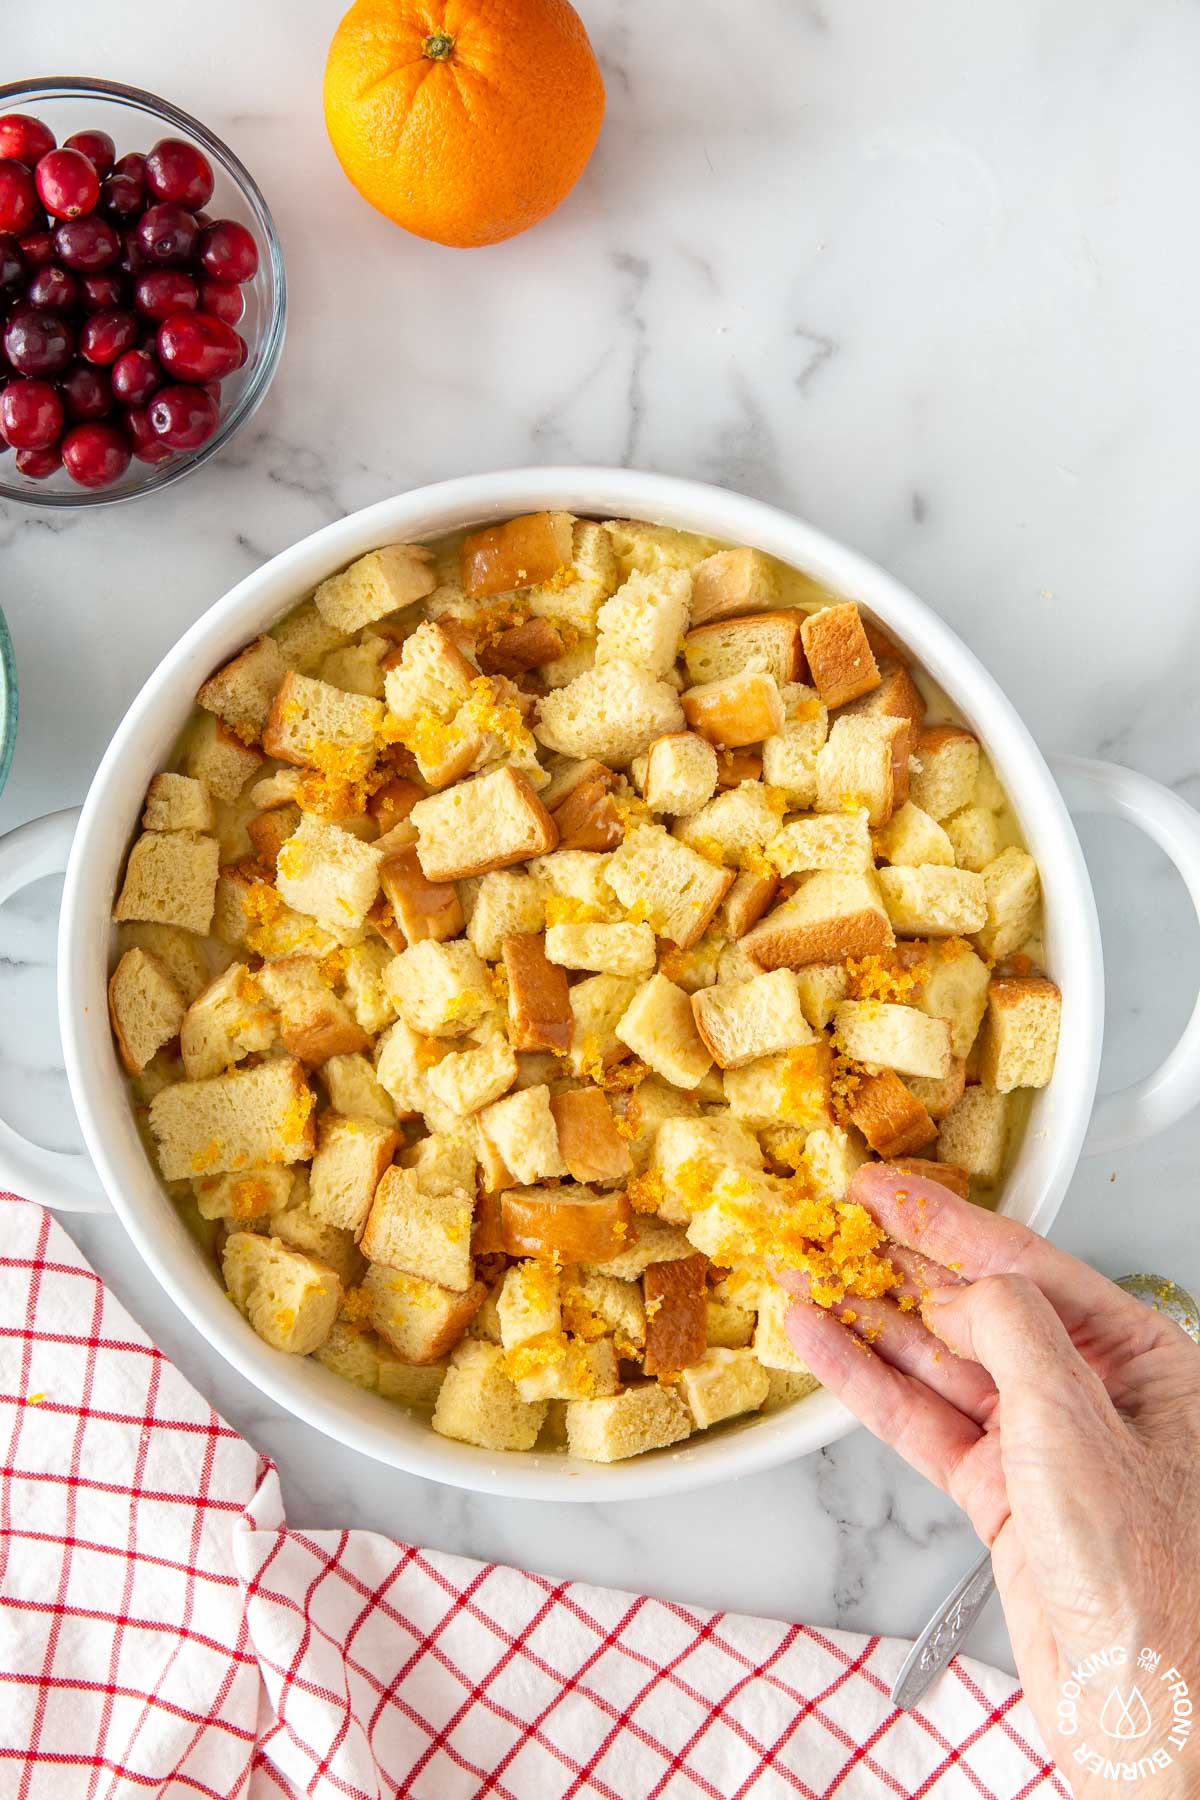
(1063, 1416)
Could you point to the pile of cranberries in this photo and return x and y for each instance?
(118, 301)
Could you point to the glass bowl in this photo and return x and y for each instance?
(8, 702)
(135, 120)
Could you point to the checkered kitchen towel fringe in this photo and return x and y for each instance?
(163, 1631)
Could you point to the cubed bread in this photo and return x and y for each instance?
(562, 1368)
(441, 989)
(241, 693)
(579, 877)
(731, 583)
(745, 903)
(724, 1383)
(507, 904)
(528, 1303)
(269, 831)
(988, 791)
(770, 640)
(590, 817)
(786, 1386)
(896, 697)
(235, 1121)
(366, 988)
(856, 766)
(595, 1306)
(290, 1300)
(680, 773)
(642, 1111)
(351, 1158)
(1012, 890)
(521, 1130)
(839, 656)
(772, 1346)
(602, 949)
(145, 1007)
(177, 950)
(931, 901)
(646, 1417)
(250, 912)
(477, 1403)
(358, 668)
(247, 1195)
(420, 908)
(974, 834)
(375, 585)
(911, 837)
(613, 711)
(402, 1064)
(893, 1037)
(688, 1156)
(665, 884)
(831, 916)
(974, 1135)
(297, 1226)
(304, 637)
(487, 823)
(516, 554)
(728, 1327)
(178, 803)
(574, 600)
(793, 1088)
(890, 1116)
(790, 754)
(831, 1158)
(645, 620)
(317, 726)
(676, 1303)
(744, 708)
(314, 1022)
(521, 647)
(354, 1091)
(591, 1147)
(419, 1232)
(569, 1224)
(231, 1019)
(735, 826)
(749, 1019)
(648, 1240)
(658, 1027)
(838, 840)
(218, 758)
(820, 986)
(945, 1174)
(1020, 1033)
(328, 874)
(473, 1077)
(359, 1355)
(945, 769)
(170, 879)
(939, 1094)
(539, 1007)
(953, 986)
(421, 1320)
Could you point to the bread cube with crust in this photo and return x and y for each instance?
(375, 585)
(790, 754)
(540, 1015)
(1020, 1033)
(772, 1346)
(305, 638)
(516, 554)
(589, 1144)
(231, 1019)
(744, 708)
(528, 1303)
(833, 915)
(676, 1303)
(316, 726)
(573, 601)
(640, 545)
(508, 904)
(936, 1095)
(896, 697)
(359, 1355)
(328, 874)
(445, 1160)
(520, 648)
(520, 1128)
(658, 1027)
(733, 827)
(689, 1155)
(886, 1035)
(911, 837)
(314, 1023)
(974, 1135)
(419, 1319)
(354, 1091)
(645, 620)
(440, 989)
(821, 986)
(745, 904)
(351, 1159)
(170, 879)
(269, 831)
(750, 1019)
(419, 907)
(595, 1306)
(178, 803)
(487, 823)
(250, 912)
(472, 1077)
(646, 1417)
(792, 1088)
(889, 1115)
(954, 985)
(1012, 890)
(647, 1240)
(975, 836)
(145, 1007)
(567, 1224)
(839, 656)
(931, 901)
(297, 1226)
(945, 1174)
(590, 818)
(241, 693)
(217, 757)
(246, 1195)
(680, 773)
(613, 711)
(728, 1327)
(642, 1111)
(945, 769)
(234, 1121)
(786, 1386)
(290, 1300)
(767, 640)
(731, 583)
(419, 1232)
(667, 885)
(856, 766)
(602, 949)
(722, 1384)
(839, 840)
(429, 685)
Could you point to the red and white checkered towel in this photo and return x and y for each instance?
(162, 1630)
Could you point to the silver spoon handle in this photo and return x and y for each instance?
(944, 1633)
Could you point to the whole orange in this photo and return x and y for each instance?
(465, 121)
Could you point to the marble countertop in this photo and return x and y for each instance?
(918, 273)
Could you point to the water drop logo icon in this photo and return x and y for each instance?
(1125, 1716)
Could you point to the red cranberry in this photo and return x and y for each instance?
(97, 146)
(228, 252)
(161, 292)
(132, 261)
(12, 263)
(95, 455)
(31, 415)
(197, 347)
(183, 417)
(122, 198)
(99, 290)
(39, 463)
(86, 391)
(24, 138)
(18, 198)
(175, 170)
(146, 446)
(136, 376)
(37, 247)
(133, 164)
(223, 299)
(87, 244)
(67, 184)
(54, 288)
(167, 234)
(107, 334)
(37, 343)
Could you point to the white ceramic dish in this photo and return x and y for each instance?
(91, 845)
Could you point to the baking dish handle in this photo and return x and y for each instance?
(1149, 1106)
(54, 1178)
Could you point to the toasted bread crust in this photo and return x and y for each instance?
(792, 946)
(570, 1225)
(539, 1012)
(947, 1175)
(839, 655)
(676, 1314)
(890, 1117)
(588, 1140)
